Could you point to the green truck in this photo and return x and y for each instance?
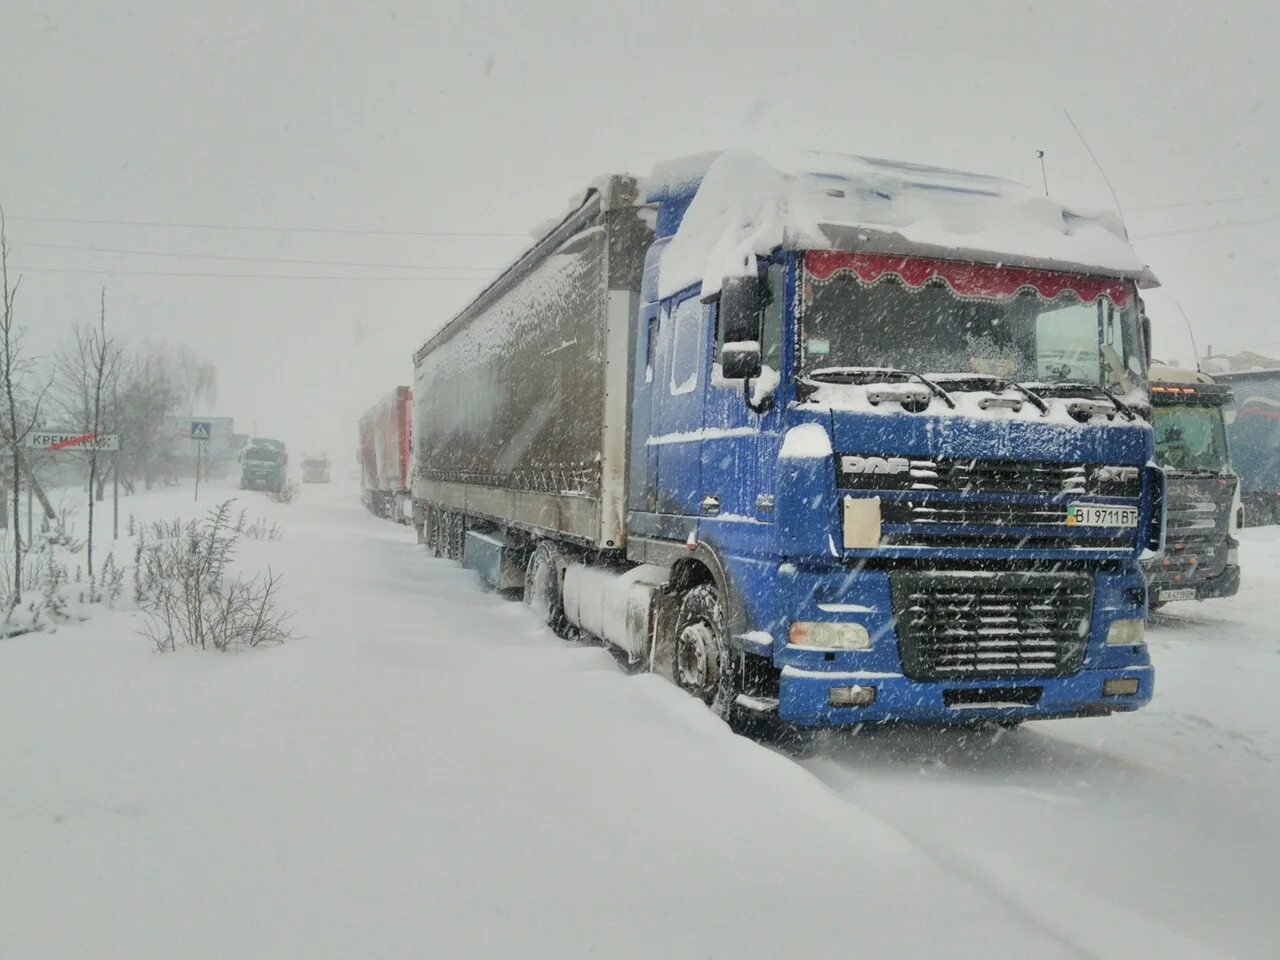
(1203, 512)
(264, 465)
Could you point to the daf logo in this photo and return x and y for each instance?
(875, 465)
(1114, 474)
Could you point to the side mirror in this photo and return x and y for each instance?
(740, 305)
(740, 360)
(1146, 336)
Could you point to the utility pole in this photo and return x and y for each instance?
(115, 471)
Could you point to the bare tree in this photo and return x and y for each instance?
(86, 377)
(147, 392)
(22, 397)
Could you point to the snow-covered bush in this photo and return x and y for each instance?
(261, 530)
(287, 493)
(183, 585)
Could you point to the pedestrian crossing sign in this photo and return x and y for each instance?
(201, 429)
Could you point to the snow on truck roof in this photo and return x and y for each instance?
(741, 206)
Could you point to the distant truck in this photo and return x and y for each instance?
(264, 465)
(385, 453)
(315, 469)
(1203, 510)
(182, 452)
(1254, 430)
(848, 441)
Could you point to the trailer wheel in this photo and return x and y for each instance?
(544, 586)
(703, 664)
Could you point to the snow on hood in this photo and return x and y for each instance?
(746, 206)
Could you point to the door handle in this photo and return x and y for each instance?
(711, 505)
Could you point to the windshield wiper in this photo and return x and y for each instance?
(853, 375)
(1007, 384)
(1121, 407)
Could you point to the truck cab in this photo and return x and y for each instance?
(264, 465)
(1253, 429)
(920, 480)
(1204, 512)
(315, 468)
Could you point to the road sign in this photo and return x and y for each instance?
(71, 440)
(201, 429)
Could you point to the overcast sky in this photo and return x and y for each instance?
(483, 118)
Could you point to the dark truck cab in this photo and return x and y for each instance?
(1203, 509)
(264, 465)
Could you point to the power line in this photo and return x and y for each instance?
(214, 256)
(240, 276)
(1207, 203)
(270, 229)
(1225, 225)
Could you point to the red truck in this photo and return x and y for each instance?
(385, 448)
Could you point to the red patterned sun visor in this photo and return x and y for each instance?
(974, 280)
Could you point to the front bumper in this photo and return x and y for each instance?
(804, 697)
(779, 595)
(1225, 584)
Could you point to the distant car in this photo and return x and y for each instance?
(315, 469)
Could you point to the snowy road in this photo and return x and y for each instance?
(426, 772)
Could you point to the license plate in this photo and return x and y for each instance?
(1183, 593)
(1100, 515)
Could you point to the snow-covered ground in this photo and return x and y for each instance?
(425, 772)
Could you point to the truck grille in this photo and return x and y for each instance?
(982, 625)
(980, 523)
(960, 475)
(1198, 523)
(1190, 561)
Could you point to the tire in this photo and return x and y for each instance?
(703, 665)
(544, 586)
(434, 533)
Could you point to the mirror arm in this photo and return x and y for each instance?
(756, 408)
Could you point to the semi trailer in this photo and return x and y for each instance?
(837, 442)
(215, 454)
(385, 455)
(1204, 511)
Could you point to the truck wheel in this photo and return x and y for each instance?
(544, 586)
(703, 665)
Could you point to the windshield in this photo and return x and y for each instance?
(263, 456)
(945, 317)
(1191, 438)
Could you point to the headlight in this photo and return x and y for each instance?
(1125, 633)
(830, 636)
(1233, 557)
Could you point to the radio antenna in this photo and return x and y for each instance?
(1098, 164)
(1190, 333)
(1043, 176)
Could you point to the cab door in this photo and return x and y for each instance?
(678, 397)
(740, 448)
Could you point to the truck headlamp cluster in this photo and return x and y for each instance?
(1126, 633)
(830, 636)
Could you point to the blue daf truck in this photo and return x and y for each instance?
(838, 442)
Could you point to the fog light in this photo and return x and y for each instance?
(1125, 633)
(830, 636)
(1122, 687)
(853, 696)
(1233, 557)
